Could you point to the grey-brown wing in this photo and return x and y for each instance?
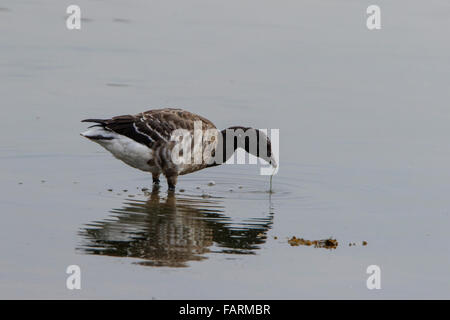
(169, 119)
(153, 126)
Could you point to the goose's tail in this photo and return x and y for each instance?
(98, 130)
(98, 121)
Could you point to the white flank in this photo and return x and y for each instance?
(123, 148)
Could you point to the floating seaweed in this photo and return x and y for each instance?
(325, 243)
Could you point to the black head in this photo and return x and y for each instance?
(254, 141)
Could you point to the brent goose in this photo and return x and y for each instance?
(154, 141)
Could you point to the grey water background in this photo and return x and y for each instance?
(364, 153)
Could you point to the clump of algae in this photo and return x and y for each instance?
(324, 243)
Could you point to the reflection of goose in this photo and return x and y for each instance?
(171, 231)
(150, 141)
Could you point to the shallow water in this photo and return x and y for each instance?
(363, 119)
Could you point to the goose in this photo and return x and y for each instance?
(174, 142)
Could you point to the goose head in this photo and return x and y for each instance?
(253, 141)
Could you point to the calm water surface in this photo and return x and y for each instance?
(364, 149)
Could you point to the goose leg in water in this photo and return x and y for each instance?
(172, 181)
(155, 178)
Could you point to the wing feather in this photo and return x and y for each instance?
(153, 126)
